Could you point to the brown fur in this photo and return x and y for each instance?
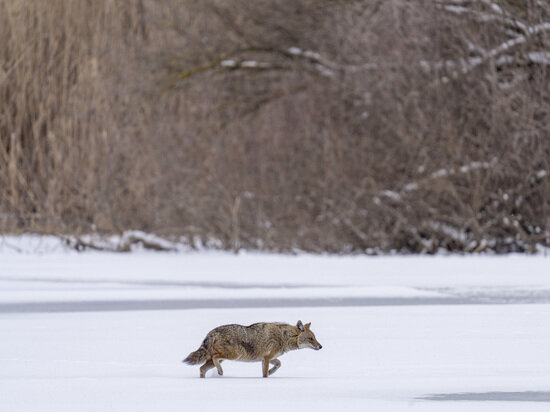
(258, 342)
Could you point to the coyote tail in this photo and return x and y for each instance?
(198, 356)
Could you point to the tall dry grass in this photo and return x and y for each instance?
(341, 126)
(70, 159)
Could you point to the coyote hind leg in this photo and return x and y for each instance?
(218, 366)
(276, 365)
(206, 367)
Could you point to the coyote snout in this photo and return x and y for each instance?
(258, 342)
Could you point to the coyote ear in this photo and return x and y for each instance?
(300, 326)
(308, 325)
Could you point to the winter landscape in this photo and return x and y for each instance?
(109, 331)
(377, 168)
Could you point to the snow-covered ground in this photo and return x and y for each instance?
(101, 332)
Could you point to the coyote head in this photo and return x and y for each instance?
(306, 338)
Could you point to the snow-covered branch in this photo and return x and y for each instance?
(498, 15)
(519, 32)
(257, 58)
(498, 53)
(328, 66)
(440, 173)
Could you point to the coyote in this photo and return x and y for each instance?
(257, 342)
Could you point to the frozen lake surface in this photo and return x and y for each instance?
(97, 332)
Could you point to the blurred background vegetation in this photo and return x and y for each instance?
(336, 126)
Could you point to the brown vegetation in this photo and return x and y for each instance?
(322, 125)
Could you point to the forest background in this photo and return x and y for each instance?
(341, 126)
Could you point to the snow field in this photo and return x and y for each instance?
(379, 358)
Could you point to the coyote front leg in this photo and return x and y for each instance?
(265, 366)
(276, 365)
